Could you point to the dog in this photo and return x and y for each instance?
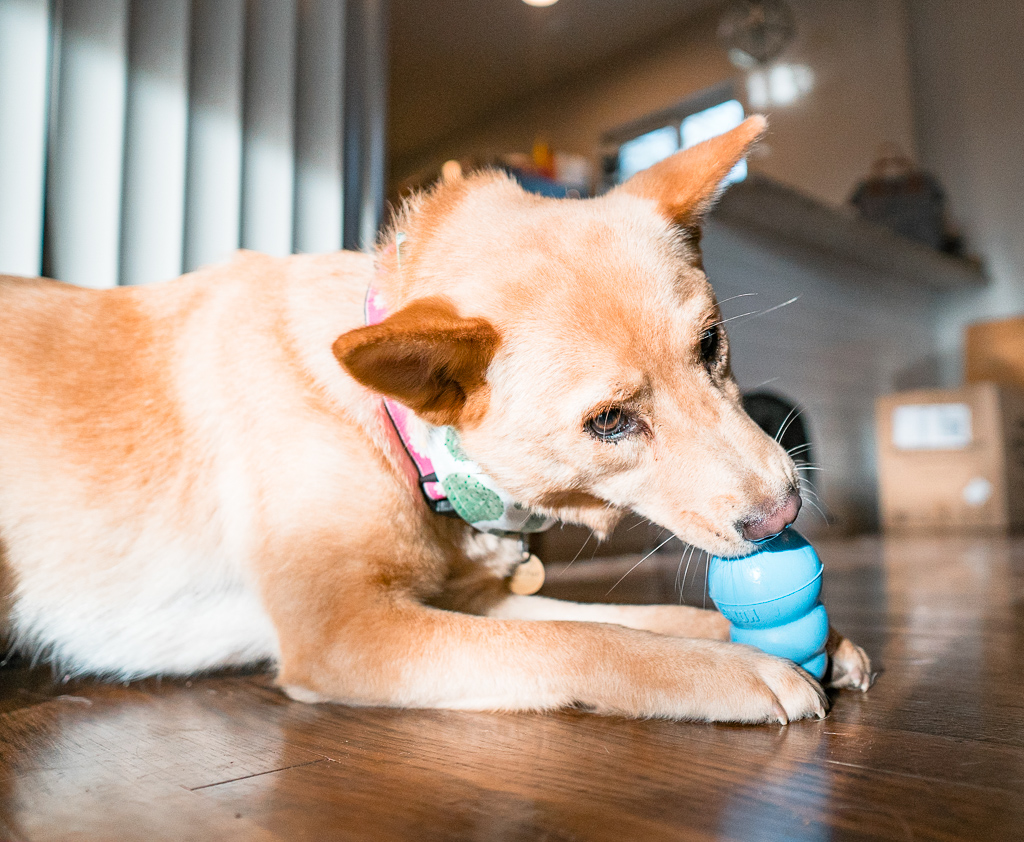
(203, 473)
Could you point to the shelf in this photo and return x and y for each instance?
(783, 218)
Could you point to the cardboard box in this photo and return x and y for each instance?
(995, 351)
(952, 459)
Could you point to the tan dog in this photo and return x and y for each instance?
(189, 479)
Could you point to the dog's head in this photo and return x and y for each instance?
(579, 349)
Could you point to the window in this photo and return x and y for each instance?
(685, 129)
(640, 152)
(710, 123)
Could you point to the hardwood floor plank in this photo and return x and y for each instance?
(183, 733)
(644, 783)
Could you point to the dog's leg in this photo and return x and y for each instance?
(672, 620)
(389, 650)
(850, 667)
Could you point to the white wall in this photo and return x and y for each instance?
(968, 77)
(851, 336)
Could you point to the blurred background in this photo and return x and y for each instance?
(869, 250)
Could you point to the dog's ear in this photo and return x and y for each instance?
(686, 184)
(425, 356)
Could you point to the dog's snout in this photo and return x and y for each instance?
(764, 526)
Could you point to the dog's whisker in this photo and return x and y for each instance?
(785, 421)
(798, 448)
(817, 508)
(657, 538)
(808, 480)
(692, 551)
(580, 550)
(809, 468)
(635, 566)
(795, 413)
(764, 383)
(792, 300)
(696, 569)
(677, 585)
(681, 584)
(681, 571)
(731, 319)
(789, 423)
(754, 313)
(822, 509)
(688, 555)
(806, 485)
(734, 297)
(809, 485)
(814, 496)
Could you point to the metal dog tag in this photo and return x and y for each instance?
(528, 577)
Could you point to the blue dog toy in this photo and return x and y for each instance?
(771, 598)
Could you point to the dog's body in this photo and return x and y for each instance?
(190, 480)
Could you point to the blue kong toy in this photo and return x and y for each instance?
(771, 598)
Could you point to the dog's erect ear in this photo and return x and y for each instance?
(425, 356)
(686, 184)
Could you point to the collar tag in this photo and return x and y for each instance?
(528, 577)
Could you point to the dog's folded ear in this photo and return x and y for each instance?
(685, 185)
(425, 356)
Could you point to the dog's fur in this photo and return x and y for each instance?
(199, 474)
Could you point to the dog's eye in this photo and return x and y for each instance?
(710, 344)
(612, 424)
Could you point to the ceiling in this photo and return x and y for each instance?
(454, 62)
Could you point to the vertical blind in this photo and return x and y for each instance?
(142, 138)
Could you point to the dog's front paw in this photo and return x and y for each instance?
(706, 680)
(771, 689)
(850, 667)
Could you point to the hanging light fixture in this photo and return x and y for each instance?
(540, 2)
(756, 31)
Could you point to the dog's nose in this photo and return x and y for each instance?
(765, 526)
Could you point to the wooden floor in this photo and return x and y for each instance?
(934, 751)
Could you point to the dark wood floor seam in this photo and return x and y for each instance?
(259, 774)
